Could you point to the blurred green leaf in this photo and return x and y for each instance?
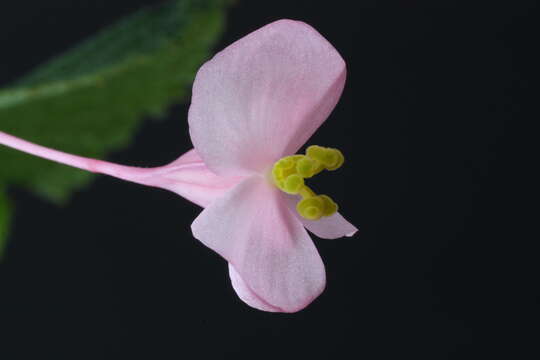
(90, 100)
(4, 221)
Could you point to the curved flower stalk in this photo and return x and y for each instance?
(253, 106)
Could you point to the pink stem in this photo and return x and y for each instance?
(129, 173)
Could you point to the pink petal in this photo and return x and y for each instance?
(246, 294)
(252, 228)
(263, 96)
(186, 176)
(331, 227)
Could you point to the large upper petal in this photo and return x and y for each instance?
(276, 260)
(263, 96)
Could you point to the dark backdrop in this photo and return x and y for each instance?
(424, 121)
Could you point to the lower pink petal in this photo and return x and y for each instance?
(252, 228)
(246, 294)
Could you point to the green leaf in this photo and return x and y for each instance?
(90, 100)
(4, 221)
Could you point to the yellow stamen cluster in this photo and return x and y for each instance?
(289, 173)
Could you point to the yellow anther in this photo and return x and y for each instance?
(293, 183)
(337, 159)
(306, 192)
(289, 173)
(315, 152)
(277, 173)
(315, 207)
(285, 163)
(311, 208)
(331, 158)
(306, 167)
(330, 207)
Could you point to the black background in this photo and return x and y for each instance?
(433, 98)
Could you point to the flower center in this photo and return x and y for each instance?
(289, 173)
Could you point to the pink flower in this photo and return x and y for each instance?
(254, 103)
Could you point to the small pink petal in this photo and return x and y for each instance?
(186, 176)
(252, 228)
(331, 227)
(246, 294)
(263, 96)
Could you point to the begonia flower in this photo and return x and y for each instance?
(253, 106)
